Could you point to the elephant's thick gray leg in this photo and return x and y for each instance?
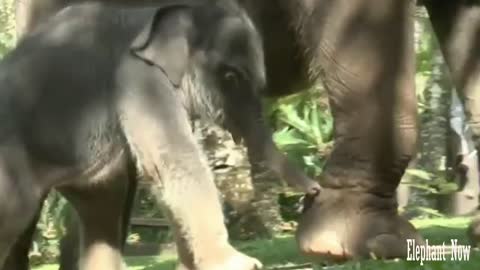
(365, 56)
(101, 209)
(457, 25)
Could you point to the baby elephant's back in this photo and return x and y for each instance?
(75, 51)
(62, 78)
(83, 38)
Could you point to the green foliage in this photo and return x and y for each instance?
(7, 26)
(430, 183)
(425, 51)
(50, 228)
(304, 128)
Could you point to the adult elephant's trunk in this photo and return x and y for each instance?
(251, 126)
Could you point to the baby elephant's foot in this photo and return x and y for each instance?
(230, 260)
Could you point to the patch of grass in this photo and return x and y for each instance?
(282, 251)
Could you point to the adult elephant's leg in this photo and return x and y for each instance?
(365, 56)
(457, 26)
(101, 209)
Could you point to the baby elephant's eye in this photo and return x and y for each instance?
(231, 78)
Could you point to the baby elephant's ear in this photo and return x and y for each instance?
(163, 42)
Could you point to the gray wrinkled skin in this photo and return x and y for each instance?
(96, 88)
(117, 206)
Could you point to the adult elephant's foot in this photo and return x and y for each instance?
(228, 259)
(473, 232)
(342, 224)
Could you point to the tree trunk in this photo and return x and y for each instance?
(433, 90)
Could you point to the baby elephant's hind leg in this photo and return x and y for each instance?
(18, 257)
(118, 197)
(101, 209)
(20, 196)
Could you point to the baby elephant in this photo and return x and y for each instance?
(97, 88)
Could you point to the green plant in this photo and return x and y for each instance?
(50, 228)
(7, 26)
(304, 128)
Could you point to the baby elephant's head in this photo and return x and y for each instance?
(213, 54)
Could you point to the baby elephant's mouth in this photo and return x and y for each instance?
(233, 130)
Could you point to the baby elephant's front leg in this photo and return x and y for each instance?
(189, 195)
(161, 140)
(193, 205)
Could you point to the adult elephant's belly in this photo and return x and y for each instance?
(286, 63)
(286, 73)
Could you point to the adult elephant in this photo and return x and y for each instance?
(363, 52)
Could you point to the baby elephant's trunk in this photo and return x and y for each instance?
(263, 151)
